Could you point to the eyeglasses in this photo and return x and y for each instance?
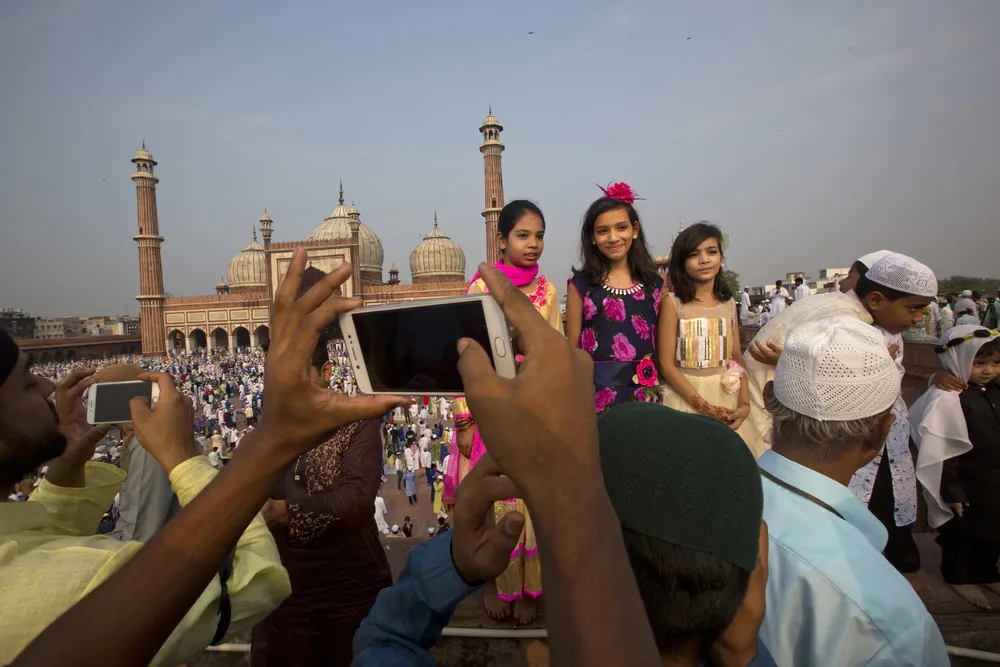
(955, 342)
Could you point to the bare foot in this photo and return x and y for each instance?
(496, 608)
(973, 595)
(524, 609)
(993, 587)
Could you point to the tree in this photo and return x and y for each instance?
(733, 280)
(956, 284)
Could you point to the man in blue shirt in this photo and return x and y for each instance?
(832, 598)
(691, 595)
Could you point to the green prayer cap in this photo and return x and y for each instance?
(683, 479)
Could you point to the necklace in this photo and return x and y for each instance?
(618, 291)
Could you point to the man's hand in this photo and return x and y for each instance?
(300, 414)
(959, 509)
(766, 353)
(81, 437)
(481, 549)
(737, 645)
(945, 381)
(541, 423)
(165, 430)
(275, 513)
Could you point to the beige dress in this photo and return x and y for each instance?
(705, 339)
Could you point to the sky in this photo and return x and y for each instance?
(812, 133)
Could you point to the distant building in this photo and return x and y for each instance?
(49, 328)
(828, 281)
(17, 323)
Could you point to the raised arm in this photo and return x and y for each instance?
(155, 589)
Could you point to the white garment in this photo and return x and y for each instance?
(411, 459)
(425, 458)
(745, 308)
(897, 446)
(779, 299)
(444, 405)
(947, 320)
(380, 512)
(967, 319)
(801, 293)
(938, 423)
(827, 304)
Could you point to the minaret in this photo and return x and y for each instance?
(491, 148)
(148, 239)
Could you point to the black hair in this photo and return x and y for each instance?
(514, 211)
(405, 519)
(989, 349)
(594, 265)
(685, 244)
(440, 520)
(687, 594)
(866, 287)
(777, 283)
(798, 280)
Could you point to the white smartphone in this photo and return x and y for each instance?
(411, 347)
(107, 402)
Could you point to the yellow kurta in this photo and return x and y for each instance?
(50, 558)
(524, 574)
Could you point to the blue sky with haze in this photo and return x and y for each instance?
(811, 132)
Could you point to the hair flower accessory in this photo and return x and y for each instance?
(623, 192)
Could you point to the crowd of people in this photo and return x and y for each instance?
(754, 506)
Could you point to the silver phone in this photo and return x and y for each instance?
(107, 402)
(411, 347)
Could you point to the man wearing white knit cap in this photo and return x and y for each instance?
(895, 302)
(831, 597)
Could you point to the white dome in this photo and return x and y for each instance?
(337, 227)
(437, 258)
(249, 268)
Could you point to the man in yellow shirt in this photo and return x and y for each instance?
(50, 554)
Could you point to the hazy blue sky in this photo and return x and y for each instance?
(811, 132)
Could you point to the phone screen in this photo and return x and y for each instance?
(413, 350)
(111, 400)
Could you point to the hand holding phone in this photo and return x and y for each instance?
(543, 421)
(66, 470)
(164, 428)
(300, 414)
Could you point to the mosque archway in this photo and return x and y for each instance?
(59, 356)
(242, 337)
(261, 335)
(220, 339)
(176, 338)
(199, 341)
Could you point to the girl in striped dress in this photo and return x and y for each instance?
(699, 324)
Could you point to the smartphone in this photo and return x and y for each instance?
(411, 348)
(107, 402)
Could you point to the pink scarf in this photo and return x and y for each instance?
(451, 479)
(520, 277)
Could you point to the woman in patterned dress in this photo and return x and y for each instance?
(699, 333)
(613, 302)
(521, 236)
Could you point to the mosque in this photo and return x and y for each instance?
(238, 313)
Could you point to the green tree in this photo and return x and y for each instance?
(733, 280)
(956, 284)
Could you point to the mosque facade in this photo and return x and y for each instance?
(237, 315)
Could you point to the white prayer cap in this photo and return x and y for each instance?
(430, 531)
(903, 274)
(873, 257)
(967, 293)
(836, 369)
(395, 527)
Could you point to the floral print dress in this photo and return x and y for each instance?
(619, 332)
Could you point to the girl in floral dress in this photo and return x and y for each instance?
(613, 301)
(698, 323)
(521, 236)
